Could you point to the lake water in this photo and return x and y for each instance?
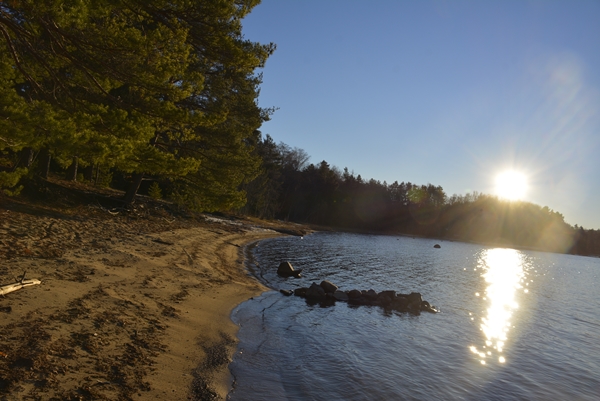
(513, 325)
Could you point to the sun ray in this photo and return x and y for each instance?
(511, 185)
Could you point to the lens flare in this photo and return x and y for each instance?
(511, 185)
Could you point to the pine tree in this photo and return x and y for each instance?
(166, 88)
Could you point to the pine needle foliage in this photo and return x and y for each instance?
(167, 88)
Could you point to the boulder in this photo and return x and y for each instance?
(340, 296)
(315, 292)
(400, 304)
(328, 293)
(437, 246)
(300, 292)
(415, 298)
(385, 298)
(328, 286)
(414, 303)
(357, 301)
(286, 269)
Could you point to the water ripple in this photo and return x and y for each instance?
(292, 351)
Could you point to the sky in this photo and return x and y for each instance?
(450, 93)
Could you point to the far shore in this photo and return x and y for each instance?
(128, 308)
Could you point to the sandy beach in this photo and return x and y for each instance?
(132, 305)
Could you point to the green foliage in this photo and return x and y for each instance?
(105, 177)
(263, 191)
(166, 88)
(9, 181)
(154, 191)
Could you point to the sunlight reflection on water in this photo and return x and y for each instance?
(503, 272)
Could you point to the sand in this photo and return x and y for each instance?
(132, 305)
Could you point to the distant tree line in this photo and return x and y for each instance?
(290, 188)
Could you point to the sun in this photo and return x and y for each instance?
(511, 185)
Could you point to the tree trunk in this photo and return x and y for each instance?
(88, 172)
(28, 157)
(72, 170)
(97, 175)
(25, 159)
(133, 188)
(45, 159)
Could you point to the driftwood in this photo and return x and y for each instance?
(22, 282)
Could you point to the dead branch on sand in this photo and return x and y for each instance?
(20, 283)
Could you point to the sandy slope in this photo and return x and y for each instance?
(128, 308)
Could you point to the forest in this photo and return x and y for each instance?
(160, 98)
(290, 188)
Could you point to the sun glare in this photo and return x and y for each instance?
(511, 185)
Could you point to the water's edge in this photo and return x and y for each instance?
(249, 264)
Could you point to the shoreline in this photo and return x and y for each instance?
(123, 311)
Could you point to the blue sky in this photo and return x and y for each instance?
(443, 92)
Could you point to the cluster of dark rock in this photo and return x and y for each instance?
(328, 293)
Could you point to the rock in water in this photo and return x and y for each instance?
(315, 292)
(300, 292)
(327, 293)
(414, 302)
(426, 306)
(415, 298)
(340, 296)
(286, 269)
(328, 286)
